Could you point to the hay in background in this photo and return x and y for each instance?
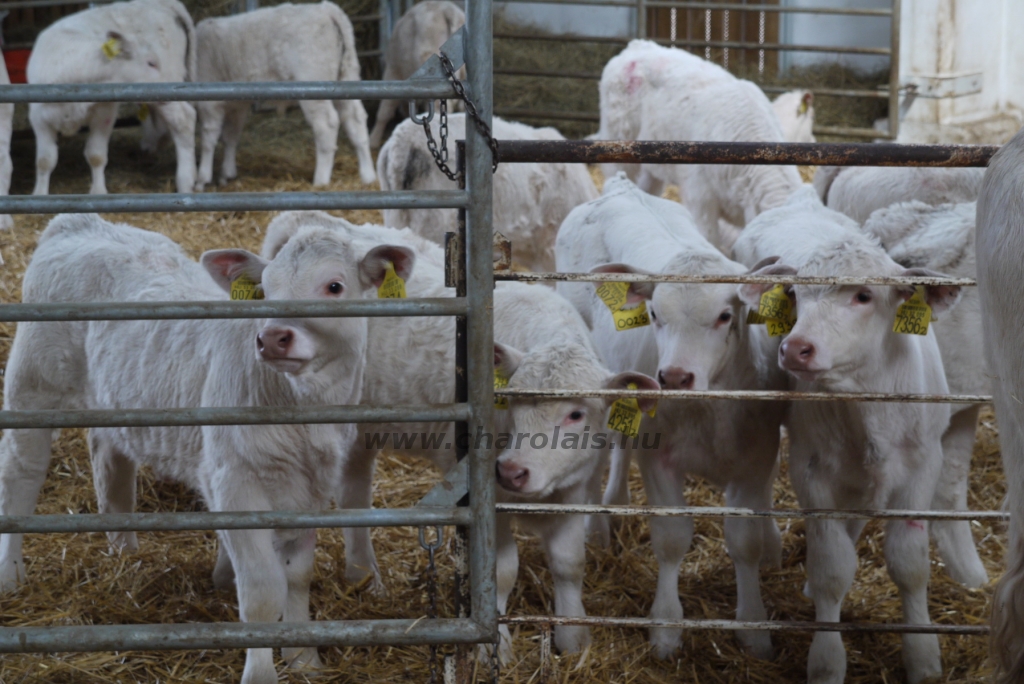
(75, 580)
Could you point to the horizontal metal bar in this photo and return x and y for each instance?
(582, 3)
(748, 395)
(762, 279)
(831, 92)
(774, 47)
(419, 89)
(588, 75)
(118, 311)
(734, 512)
(234, 415)
(788, 9)
(27, 4)
(233, 520)
(732, 625)
(232, 201)
(683, 152)
(220, 635)
(852, 132)
(546, 114)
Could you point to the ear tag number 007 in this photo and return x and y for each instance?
(614, 297)
(913, 315)
(243, 287)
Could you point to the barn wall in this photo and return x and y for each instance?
(811, 29)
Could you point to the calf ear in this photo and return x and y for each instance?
(643, 382)
(637, 291)
(117, 46)
(942, 298)
(374, 265)
(507, 359)
(226, 265)
(750, 293)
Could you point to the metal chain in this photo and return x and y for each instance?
(495, 665)
(431, 573)
(441, 154)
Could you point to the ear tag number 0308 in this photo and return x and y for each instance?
(625, 416)
(913, 315)
(500, 382)
(775, 311)
(614, 297)
(243, 287)
(392, 287)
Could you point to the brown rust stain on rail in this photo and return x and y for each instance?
(806, 154)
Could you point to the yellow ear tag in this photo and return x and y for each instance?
(614, 297)
(143, 112)
(777, 311)
(803, 108)
(112, 48)
(913, 315)
(754, 318)
(243, 287)
(626, 415)
(500, 382)
(392, 287)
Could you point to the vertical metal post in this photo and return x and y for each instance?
(480, 337)
(894, 70)
(641, 19)
(384, 31)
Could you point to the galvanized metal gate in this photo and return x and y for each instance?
(473, 410)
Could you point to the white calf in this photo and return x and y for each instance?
(941, 238)
(530, 200)
(697, 340)
(856, 455)
(283, 43)
(142, 41)
(858, 191)
(795, 110)
(6, 128)
(649, 92)
(1000, 243)
(185, 364)
(416, 37)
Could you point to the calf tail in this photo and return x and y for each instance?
(348, 67)
(184, 20)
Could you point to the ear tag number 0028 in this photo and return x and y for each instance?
(243, 287)
(614, 297)
(913, 315)
(392, 287)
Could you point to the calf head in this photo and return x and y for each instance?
(316, 264)
(555, 444)
(841, 330)
(695, 325)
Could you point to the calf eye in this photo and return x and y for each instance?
(576, 415)
(725, 317)
(863, 297)
(335, 287)
(654, 316)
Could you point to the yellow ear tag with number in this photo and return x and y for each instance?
(112, 48)
(614, 297)
(392, 287)
(913, 315)
(500, 382)
(626, 415)
(243, 287)
(777, 311)
(143, 112)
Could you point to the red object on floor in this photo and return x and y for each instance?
(17, 60)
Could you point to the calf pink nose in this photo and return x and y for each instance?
(796, 353)
(512, 476)
(675, 378)
(274, 343)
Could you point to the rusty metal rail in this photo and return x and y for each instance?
(682, 152)
(733, 625)
(734, 279)
(748, 395)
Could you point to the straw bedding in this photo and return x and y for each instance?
(76, 580)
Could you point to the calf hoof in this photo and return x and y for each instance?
(666, 642)
(259, 667)
(370, 582)
(826, 662)
(367, 176)
(571, 638)
(921, 657)
(756, 644)
(302, 658)
(971, 574)
(123, 541)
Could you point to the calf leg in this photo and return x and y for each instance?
(385, 112)
(353, 120)
(180, 119)
(297, 557)
(101, 125)
(211, 121)
(323, 119)
(6, 166)
(744, 539)
(234, 122)
(617, 491)
(953, 537)
(563, 539)
(46, 149)
(114, 476)
(507, 570)
(831, 565)
(356, 491)
(670, 538)
(223, 572)
(24, 460)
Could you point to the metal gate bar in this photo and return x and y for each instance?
(734, 512)
(765, 625)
